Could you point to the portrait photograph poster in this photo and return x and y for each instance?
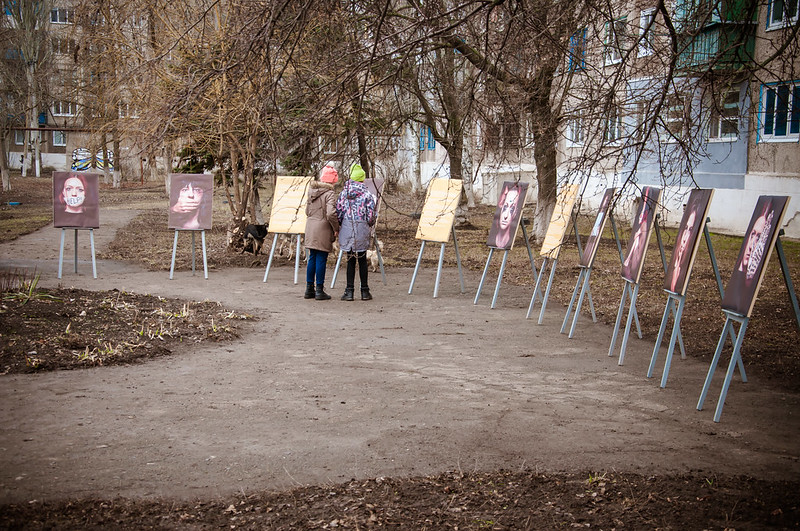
(640, 234)
(288, 213)
(190, 201)
(759, 240)
(76, 202)
(439, 210)
(506, 219)
(687, 241)
(559, 221)
(590, 249)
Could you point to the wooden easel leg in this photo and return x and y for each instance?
(174, 251)
(271, 254)
(416, 267)
(439, 272)
(626, 334)
(483, 277)
(499, 279)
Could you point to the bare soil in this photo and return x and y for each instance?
(233, 403)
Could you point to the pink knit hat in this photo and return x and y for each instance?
(329, 175)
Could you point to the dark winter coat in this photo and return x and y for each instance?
(322, 222)
(356, 211)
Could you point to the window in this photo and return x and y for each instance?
(577, 51)
(127, 110)
(575, 129)
(63, 46)
(61, 15)
(63, 108)
(646, 31)
(779, 112)
(426, 133)
(613, 128)
(614, 41)
(674, 120)
(782, 13)
(724, 120)
(59, 138)
(19, 137)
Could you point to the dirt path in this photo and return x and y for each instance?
(321, 392)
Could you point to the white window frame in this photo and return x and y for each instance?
(724, 110)
(63, 45)
(646, 36)
(575, 132)
(783, 20)
(59, 139)
(62, 15)
(674, 113)
(614, 40)
(64, 108)
(19, 137)
(614, 128)
(126, 110)
(768, 119)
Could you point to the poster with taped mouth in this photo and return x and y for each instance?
(76, 200)
(190, 201)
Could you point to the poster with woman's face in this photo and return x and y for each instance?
(190, 201)
(688, 240)
(640, 234)
(75, 200)
(590, 250)
(507, 216)
(742, 289)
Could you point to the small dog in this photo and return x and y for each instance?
(254, 238)
(372, 256)
(287, 245)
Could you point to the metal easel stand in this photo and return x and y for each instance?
(439, 269)
(629, 292)
(583, 284)
(787, 278)
(553, 262)
(339, 262)
(503, 268)
(61, 252)
(272, 253)
(736, 359)
(175, 249)
(675, 303)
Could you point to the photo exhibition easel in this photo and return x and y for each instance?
(563, 214)
(61, 251)
(436, 224)
(762, 235)
(632, 267)
(288, 215)
(375, 186)
(194, 251)
(676, 282)
(505, 224)
(604, 213)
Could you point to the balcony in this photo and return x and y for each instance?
(718, 35)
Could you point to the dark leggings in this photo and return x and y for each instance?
(362, 269)
(317, 261)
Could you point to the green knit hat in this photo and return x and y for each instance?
(357, 173)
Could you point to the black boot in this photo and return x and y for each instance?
(320, 295)
(348, 294)
(365, 294)
(309, 291)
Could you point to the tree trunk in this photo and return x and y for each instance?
(544, 149)
(117, 175)
(4, 172)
